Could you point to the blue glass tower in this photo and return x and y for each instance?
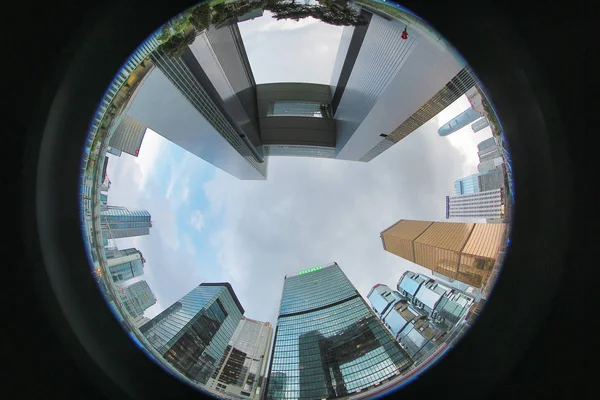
(468, 184)
(460, 121)
(124, 264)
(481, 182)
(120, 222)
(192, 334)
(328, 342)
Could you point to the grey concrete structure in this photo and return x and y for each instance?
(127, 136)
(480, 124)
(381, 90)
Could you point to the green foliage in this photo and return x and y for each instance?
(176, 45)
(201, 16)
(329, 12)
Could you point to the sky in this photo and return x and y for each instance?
(211, 227)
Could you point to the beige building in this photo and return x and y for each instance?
(462, 251)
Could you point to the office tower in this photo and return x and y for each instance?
(212, 107)
(420, 302)
(126, 264)
(242, 370)
(136, 297)
(328, 342)
(420, 337)
(437, 300)
(419, 76)
(139, 321)
(490, 155)
(382, 298)
(462, 251)
(460, 121)
(103, 199)
(119, 222)
(127, 135)
(480, 124)
(488, 149)
(193, 333)
(488, 204)
(480, 182)
(488, 165)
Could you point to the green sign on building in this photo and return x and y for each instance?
(306, 271)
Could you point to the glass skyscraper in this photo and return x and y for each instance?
(468, 184)
(119, 222)
(192, 334)
(328, 342)
(137, 297)
(460, 121)
(124, 264)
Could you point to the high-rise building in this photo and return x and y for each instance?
(462, 251)
(127, 135)
(215, 109)
(136, 298)
(328, 342)
(488, 204)
(488, 149)
(119, 222)
(435, 299)
(480, 124)
(193, 333)
(125, 264)
(103, 199)
(460, 121)
(420, 302)
(242, 370)
(139, 321)
(490, 164)
(480, 182)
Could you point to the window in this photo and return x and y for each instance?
(299, 109)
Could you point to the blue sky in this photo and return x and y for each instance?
(210, 227)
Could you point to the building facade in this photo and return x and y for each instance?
(462, 251)
(212, 107)
(488, 204)
(136, 298)
(328, 342)
(480, 124)
(480, 182)
(421, 312)
(127, 136)
(460, 121)
(488, 149)
(193, 333)
(125, 264)
(242, 369)
(119, 222)
(139, 321)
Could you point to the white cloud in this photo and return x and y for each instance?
(313, 211)
(197, 220)
(189, 245)
(285, 24)
(291, 51)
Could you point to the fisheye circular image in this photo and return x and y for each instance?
(296, 199)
